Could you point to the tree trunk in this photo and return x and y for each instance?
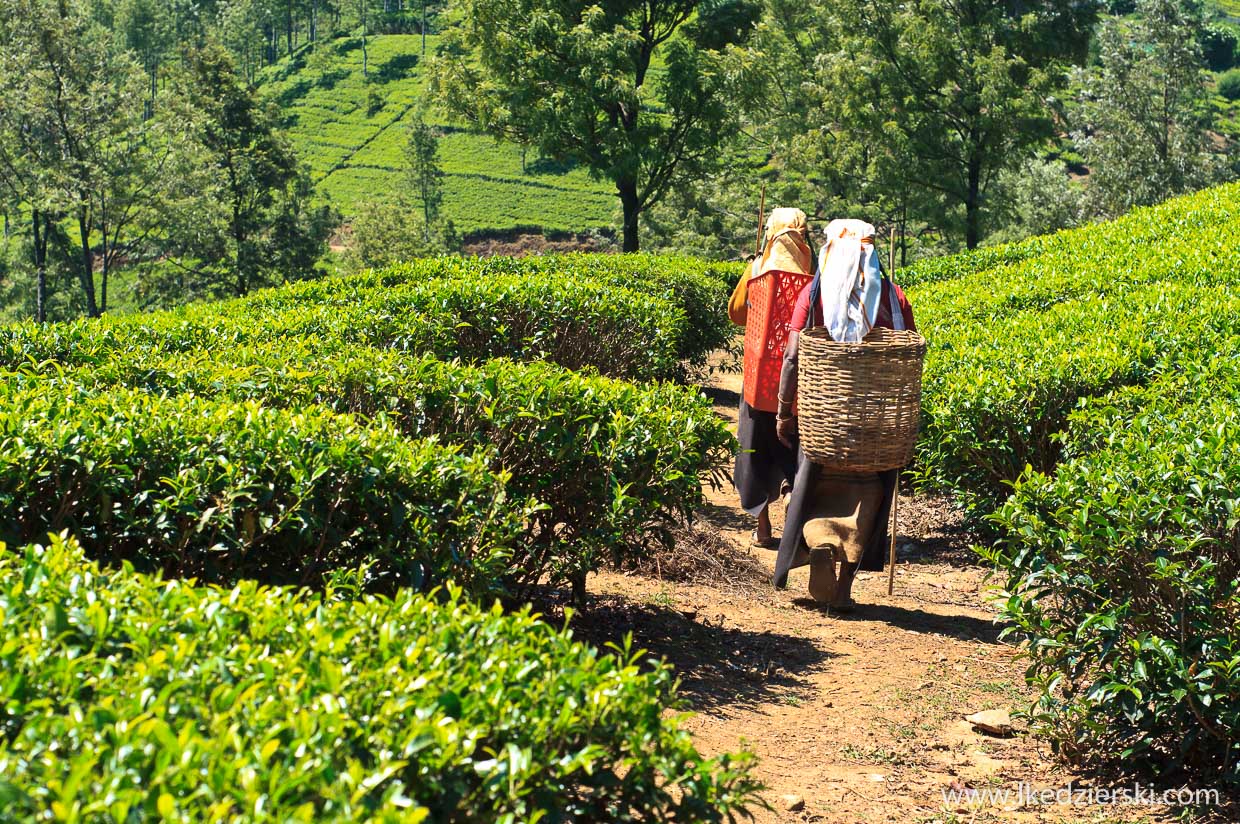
(149, 109)
(40, 265)
(973, 205)
(103, 280)
(88, 265)
(242, 284)
(632, 209)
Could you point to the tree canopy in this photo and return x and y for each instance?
(619, 87)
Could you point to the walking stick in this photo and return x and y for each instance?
(895, 509)
(761, 220)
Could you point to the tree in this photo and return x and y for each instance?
(387, 233)
(76, 115)
(25, 137)
(1036, 198)
(145, 29)
(243, 215)
(1142, 125)
(944, 95)
(573, 79)
(424, 174)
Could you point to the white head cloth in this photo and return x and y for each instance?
(852, 285)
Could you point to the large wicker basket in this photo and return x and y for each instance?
(860, 403)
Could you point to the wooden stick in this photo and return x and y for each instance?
(761, 220)
(895, 509)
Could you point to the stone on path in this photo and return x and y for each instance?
(793, 803)
(991, 722)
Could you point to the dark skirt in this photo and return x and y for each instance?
(798, 513)
(763, 464)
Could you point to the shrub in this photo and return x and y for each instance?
(540, 290)
(1229, 84)
(701, 289)
(1016, 347)
(613, 464)
(578, 324)
(225, 491)
(994, 405)
(451, 307)
(129, 698)
(1219, 46)
(1123, 574)
(986, 258)
(1073, 379)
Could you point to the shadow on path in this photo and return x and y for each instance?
(960, 627)
(723, 668)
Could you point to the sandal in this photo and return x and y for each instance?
(770, 542)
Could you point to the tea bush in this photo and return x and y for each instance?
(1016, 347)
(632, 316)
(611, 464)
(982, 259)
(699, 288)
(653, 319)
(221, 491)
(129, 698)
(1122, 571)
(1086, 396)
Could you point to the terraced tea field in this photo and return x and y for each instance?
(355, 150)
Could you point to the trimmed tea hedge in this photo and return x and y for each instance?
(611, 464)
(124, 697)
(1015, 348)
(221, 491)
(996, 404)
(1086, 395)
(983, 259)
(1123, 572)
(636, 317)
(651, 322)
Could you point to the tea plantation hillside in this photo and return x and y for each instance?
(411, 443)
(350, 129)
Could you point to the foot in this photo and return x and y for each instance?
(762, 536)
(769, 542)
(822, 574)
(843, 600)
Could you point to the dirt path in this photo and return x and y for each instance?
(857, 718)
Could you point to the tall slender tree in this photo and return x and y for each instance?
(75, 108)
(247, 208)
(424, 172)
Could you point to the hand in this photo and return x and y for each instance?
(786, 430)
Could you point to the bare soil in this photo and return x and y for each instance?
(520, 244)
(854, 718)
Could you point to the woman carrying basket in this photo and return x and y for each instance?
(765, 465)
(838, 516)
